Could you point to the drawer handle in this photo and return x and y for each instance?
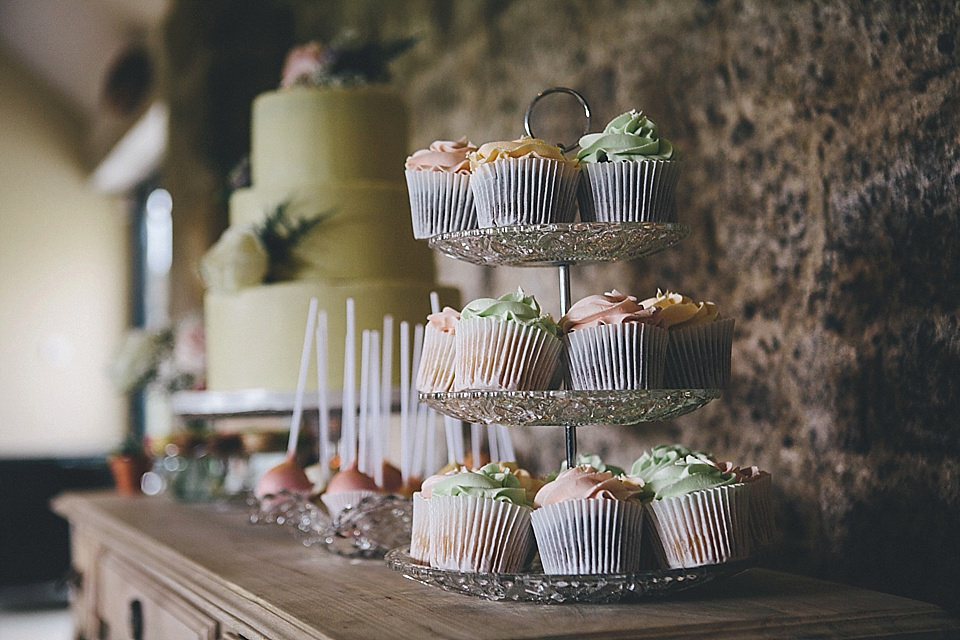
(136, 620)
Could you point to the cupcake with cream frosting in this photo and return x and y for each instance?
(630, 172)
(438, 182)
(699, 512)
(589, 522)
(420, 524)
(438, 359)
(506, 344)
(524, 181)
(480, 522)
(701, 341)
(613, 343)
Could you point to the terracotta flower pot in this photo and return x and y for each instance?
(127, 471)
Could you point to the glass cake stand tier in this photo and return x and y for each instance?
(545, 245)
(535, 586)
(569, 407)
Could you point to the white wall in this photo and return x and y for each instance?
(63, 282)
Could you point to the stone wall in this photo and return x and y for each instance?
(822, 164)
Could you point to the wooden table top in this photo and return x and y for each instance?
(261, 574)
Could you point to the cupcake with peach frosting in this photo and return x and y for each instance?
(438, 183)
(589, 522)
(438, 358)
(630, 172)
(523, 181)
(701, 341)
(613, 343)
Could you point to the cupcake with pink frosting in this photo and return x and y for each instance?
(438, 182)
(438, 359)
(613, 343)
(701, 341)
(589, 522)
(524, 181)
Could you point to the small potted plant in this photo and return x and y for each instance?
(128, 463)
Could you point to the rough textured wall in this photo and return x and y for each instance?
(821, 182)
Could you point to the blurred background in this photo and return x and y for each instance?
(821, 142)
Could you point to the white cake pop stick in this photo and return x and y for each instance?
(431, 459)
(348, 438)
(406, 435)
(363, 450)
(386, 382)
(297, 416)
(375, 416)
(476, 433)
(323, 406)
(493, 442)
(434, 302)
(506, 444)
(449, 425)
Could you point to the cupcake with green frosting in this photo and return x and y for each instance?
(480, 521)
(700, 512)
(506, 344)
(630, 172)
(523, 181)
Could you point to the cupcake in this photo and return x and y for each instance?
(699, 513)
(438, 359)
(525, 181)
(420, 525)
(613, 343)
(629, 173)
(761, 504)
(698, 354)
(588, 521)
(506, 344)
(480, 522)
(438, 182)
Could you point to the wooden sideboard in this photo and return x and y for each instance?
(155, 569)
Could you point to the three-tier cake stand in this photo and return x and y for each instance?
(563, 246)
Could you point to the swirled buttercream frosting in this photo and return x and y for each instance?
(490, 481)
(631, 136)
(586, 483)
(661, 456)
(512, 307)
(678, 311)
(686, 475)
(609, 308)
(525, 146)
(450, 156)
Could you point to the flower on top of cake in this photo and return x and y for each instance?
(345, 62)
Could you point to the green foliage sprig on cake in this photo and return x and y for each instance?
(345, 62)
(258, 254)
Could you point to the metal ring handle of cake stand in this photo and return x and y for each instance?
(563, 269)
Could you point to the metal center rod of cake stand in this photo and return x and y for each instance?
(570, 430)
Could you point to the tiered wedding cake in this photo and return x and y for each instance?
(336, 151)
